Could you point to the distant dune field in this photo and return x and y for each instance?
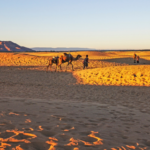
(97, 55)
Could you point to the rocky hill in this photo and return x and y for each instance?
(8, 46)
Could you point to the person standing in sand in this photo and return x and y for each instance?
(85, 62)
(137, 59)
(134, 57)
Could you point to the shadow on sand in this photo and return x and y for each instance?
(128, 60)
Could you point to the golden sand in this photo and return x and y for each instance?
(104, 107)
(112, 68)
(118, 75)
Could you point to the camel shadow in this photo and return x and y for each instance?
(128, 61)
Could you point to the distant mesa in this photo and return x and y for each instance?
(8, 46)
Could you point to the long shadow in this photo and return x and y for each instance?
(128, 61)
(16, 67)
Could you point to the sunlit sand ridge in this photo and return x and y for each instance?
(133, 75)
(120, 76)
(67, 110)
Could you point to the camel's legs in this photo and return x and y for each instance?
(56, 68)
(60, 68)
(49, 66)
(67, 66)
(72, 66)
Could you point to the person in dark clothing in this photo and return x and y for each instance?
(137, 59)
(85, 62)
(134, 57)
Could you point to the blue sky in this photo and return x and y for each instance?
(99, 24)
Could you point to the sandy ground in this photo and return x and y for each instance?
(56, 110)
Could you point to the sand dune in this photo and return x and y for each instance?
(98, 55)
(103, 107)
(118, 75)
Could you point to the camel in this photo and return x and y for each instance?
(62, 59)
(53, 60)
(67, 58)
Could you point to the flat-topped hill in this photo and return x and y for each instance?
(8, 46)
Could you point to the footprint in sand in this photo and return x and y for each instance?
(4, 101)
(64, 137)
(39, 144)
(48, 133)
(30, 103)
(59, 107)
(124, 136)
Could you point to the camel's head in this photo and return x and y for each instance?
(78, 56)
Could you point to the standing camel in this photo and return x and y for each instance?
(62, 59)
(68, 58)
(54, 60)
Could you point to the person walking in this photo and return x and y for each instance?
(134, 57)
(85, 62)
(137, 59)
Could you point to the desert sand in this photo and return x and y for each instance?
(104, 107)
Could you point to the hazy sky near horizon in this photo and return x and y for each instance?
(99, 24)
